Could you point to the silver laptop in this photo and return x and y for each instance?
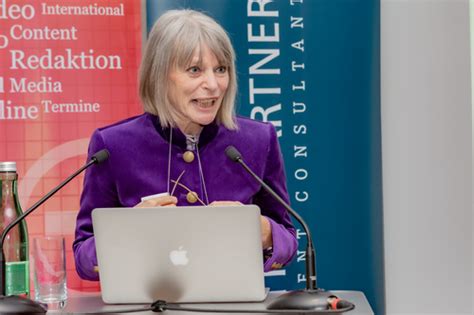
(179, 254)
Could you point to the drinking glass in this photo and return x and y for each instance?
(49, 260)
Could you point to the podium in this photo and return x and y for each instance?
(92, 302)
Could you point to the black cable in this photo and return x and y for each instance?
(206, 310)
(161, 306)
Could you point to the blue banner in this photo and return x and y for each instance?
(312, 68)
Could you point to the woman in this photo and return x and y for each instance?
(187, 87)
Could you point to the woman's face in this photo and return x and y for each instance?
(196, 92)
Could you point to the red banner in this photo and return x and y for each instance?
(66, 68)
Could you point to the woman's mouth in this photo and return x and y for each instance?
(204, 103)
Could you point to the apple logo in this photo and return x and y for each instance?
(179, 257)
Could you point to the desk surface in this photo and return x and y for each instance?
(90, 303)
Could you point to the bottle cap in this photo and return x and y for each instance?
(7, 166)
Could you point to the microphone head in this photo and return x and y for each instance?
(100, 156)
(233, 154)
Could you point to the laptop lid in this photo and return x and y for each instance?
(179, 254)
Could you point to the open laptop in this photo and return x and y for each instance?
(179, 254)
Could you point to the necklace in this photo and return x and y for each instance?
(191, 145)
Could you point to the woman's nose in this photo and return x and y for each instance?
(210, 81)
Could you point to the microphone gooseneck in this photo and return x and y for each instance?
(311, 298)
(20, 305)
(311, 281)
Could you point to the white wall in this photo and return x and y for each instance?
(427, 156)
(471, 11)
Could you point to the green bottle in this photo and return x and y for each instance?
(17, 272)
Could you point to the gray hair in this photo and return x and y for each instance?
(172, 42)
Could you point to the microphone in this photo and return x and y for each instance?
(99, 157)
(311, 298)
(19, 305)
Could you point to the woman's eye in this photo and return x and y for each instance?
(221, 69)
(193, 70)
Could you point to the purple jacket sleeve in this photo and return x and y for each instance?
(99, 191)
(283, 232)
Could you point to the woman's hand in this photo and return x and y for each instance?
(267, 240)
(163, 201)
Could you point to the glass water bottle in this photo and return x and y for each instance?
(15, 246)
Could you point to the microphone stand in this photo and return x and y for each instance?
(19, 305)
(312, 297)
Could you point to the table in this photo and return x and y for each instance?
(92, 302)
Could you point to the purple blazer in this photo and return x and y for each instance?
(138, 167)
